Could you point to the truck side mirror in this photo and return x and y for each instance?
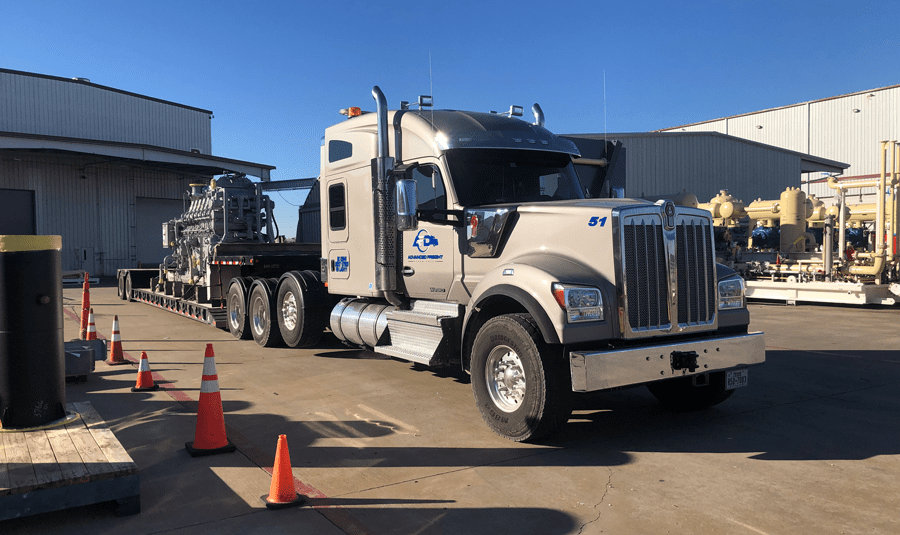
(407, 204)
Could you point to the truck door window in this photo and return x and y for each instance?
(429, 188)
(337, 207)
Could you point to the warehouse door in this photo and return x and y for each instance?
(149, 216)
(17, 211)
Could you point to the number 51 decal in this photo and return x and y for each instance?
(594, 220)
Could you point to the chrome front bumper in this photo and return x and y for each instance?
(601, 370)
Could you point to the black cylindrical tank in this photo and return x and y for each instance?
(32, 365)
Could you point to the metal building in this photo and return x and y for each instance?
(846, 128)
(101, 167)
(656, 164)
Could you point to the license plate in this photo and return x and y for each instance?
(736, 379)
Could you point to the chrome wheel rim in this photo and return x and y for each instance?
(289, 311)
(259, 316)
(234, 315)
(505, 378)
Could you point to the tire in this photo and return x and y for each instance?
(128, 294)
(261, 312)
(236, 307)
(534, 396)
(301, 316)
(121, 289)
(680, 395)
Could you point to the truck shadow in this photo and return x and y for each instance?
(782, 415)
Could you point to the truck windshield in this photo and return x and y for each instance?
(489, 176)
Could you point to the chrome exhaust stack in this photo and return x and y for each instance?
(538, 114)
(385, 229)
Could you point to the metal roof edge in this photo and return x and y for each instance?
(132, 151)
(107, 88)
(817, 160)
(780, 107)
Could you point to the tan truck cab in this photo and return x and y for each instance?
(464, 238)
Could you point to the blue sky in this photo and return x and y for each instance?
(275, 73)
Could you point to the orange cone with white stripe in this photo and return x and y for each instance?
(282, 492)
(85, 306)
(115, 345)
(91, 328)
(145, 377)
(209, 436)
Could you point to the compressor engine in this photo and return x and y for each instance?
(229, 210)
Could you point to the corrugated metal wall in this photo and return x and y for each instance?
(95, 213)
(847, 128)
(660, 164)
(34, 104)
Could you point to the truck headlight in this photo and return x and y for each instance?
(581, 303)
(731, 293)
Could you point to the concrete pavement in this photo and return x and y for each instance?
(812, 445)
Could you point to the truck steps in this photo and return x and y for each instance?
(423, 334)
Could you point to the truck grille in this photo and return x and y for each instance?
(666, 274)
(645, 276)
(696, 273)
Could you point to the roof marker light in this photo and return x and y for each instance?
(352, 111)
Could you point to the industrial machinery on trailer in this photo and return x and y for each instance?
(797, 249)
(452, 238)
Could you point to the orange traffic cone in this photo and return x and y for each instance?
(209, 436)
(91, 328)
(282, 492)
(115, 345)
(85, 306)
(145, 378)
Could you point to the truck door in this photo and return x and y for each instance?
(429, 251)
(337, 230)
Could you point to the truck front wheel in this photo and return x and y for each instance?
(681, 395)
(521, 385)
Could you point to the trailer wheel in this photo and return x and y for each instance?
(262, 313)
(128, 294)
(521, 385)
(236, 306)
(121, 289)
(299, 308)
(681, 395)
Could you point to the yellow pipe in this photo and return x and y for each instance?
(878, 265)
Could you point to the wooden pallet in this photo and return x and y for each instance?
(68, 466)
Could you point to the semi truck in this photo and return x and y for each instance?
(465, 239)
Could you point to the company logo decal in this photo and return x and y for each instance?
(423, 242)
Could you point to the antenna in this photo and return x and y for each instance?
(605, 141)
(431, 87)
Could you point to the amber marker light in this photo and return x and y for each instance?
(352, 111)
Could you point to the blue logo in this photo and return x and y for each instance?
(424, 240)
(341, 264)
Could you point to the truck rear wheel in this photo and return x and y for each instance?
(299, 308)
(522, 391)
(681, 395)
(236, 306)
(262, 312)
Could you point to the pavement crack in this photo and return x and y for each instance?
(205, 522)
(598, 504)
